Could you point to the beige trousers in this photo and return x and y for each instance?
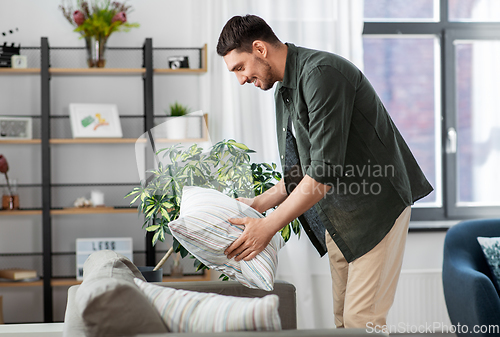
(363, 290)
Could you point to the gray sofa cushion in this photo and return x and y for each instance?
(109, 301)
(73, 321)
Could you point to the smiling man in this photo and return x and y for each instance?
(349, 176)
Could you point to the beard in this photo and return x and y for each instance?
(269, 79)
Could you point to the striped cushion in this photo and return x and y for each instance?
(204, 230)
(190, 311)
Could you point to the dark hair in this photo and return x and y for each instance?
(241, 31)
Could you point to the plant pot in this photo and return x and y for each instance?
(176, 127)
(195, 125)
(95, 51)
(150, 275)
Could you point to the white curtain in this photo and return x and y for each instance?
(485, 117)
(246, 114)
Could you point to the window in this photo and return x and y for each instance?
(435, 66)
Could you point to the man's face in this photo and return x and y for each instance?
(250, 68)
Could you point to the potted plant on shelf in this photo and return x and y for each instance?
(177, 124)
(225, 167)
(95, 22)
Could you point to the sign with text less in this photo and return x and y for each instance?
(85, 247)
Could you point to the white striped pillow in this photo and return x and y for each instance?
(190, 311)
(204, 230)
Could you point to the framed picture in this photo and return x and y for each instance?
(95, 121)
(87, 246)
(15, 128)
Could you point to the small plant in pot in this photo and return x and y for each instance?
(177, 127)
(225, 167)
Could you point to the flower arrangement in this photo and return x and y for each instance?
(100, 19)
(9, 200)
(4, 168)
(95, 23)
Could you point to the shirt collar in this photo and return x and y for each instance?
(290, 77)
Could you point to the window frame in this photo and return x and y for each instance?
(447, 32)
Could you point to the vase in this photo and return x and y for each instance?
(176, 127)
(10, 198)
(95, 51)
(176, 270)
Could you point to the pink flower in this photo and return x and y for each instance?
(78, 17)
(4, 166)
(119, 17)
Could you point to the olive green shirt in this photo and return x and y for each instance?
(344, 137)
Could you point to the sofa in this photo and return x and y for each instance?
(109, 303)
(469, 289)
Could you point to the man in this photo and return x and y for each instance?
(347, 169)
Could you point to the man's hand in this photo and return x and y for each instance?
(252, 241)
(258, 232)
(250, 202)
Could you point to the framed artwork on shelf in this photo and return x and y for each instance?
(86, 246)
(95, 121)
(15, 128)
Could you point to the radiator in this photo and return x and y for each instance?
(419, 304)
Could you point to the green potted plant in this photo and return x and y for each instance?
(225, 167)
(176, 127)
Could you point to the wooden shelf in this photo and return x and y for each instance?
(122, 140)
(19, 71)
(93, 141)
(179, 71)
(190, 278)
(20, 141)
(92, 210)
(65, 282)
(203, 69)
(37, 283)
(21, 212)
(101, 141)
(71, 210)
(97, 71)
(184, 140)
(61, 282)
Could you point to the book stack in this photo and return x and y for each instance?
(17, 274)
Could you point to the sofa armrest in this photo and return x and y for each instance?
(286, 292)
(73, 321)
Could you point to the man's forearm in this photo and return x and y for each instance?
(307, 193)
(272, 197)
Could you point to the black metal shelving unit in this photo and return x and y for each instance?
(147, 72)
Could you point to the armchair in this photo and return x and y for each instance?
(470, 293)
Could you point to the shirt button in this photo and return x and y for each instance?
(284, 130)
(282, 156)
(288, 100)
